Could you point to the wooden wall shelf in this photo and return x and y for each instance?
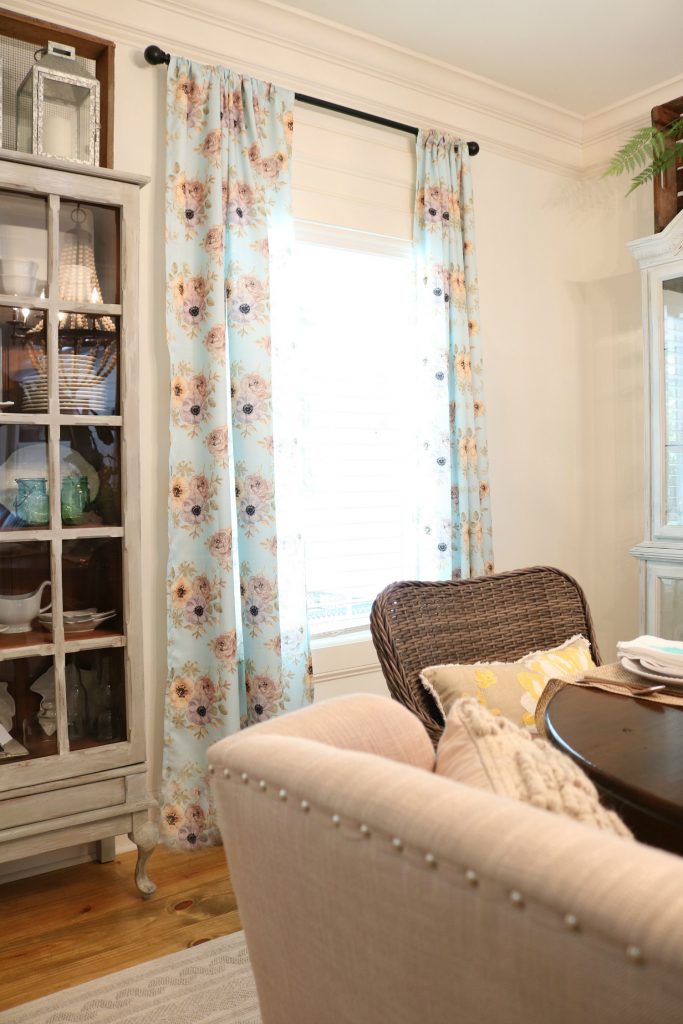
(32, 30)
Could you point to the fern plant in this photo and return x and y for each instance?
(652, 149)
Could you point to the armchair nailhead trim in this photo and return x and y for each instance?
(571, 922)
(211, 769)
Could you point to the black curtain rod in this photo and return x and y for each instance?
(155, 55)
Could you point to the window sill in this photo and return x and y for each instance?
(346, 664)
(323, 641)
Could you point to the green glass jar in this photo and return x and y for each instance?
(33, 504)
(75, 498)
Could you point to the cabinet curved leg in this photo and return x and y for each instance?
(145, 835)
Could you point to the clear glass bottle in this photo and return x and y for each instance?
(76, 704)
(106, 732)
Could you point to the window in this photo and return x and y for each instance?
(357, 343)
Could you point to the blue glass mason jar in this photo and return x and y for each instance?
(33, 504)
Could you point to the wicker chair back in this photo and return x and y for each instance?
(489, 618)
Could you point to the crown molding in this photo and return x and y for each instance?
(310, 54)
(665, 246)
(607, 129)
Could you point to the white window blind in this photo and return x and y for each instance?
(358, 344)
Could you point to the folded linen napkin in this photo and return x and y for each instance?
(611, 678)
(654, 654)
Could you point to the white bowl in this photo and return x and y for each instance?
(19, 276)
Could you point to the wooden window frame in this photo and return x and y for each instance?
(32, 30)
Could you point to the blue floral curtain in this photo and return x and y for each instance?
(454, 523)
(237, 640)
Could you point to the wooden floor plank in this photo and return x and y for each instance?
(73, 925)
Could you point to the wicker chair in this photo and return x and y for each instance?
(489, 618)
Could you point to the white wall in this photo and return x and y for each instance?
(559, 296)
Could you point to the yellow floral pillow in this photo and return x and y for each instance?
(511, 689)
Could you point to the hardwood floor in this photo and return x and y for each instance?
(69, 926)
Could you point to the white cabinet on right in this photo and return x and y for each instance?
(660, 258)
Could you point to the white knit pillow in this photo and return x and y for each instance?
(493, 753)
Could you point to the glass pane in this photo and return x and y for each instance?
(88, 253)
(24, 484)
(671, 608)
(90, 476)
(96, 698)
(23, 360)
(673, 400)
(25, 594)
(93, 591)
(28, 709)
(66, 119)
(88, 364)
(23, 254)
(358, 509)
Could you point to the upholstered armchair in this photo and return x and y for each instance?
(373, 891)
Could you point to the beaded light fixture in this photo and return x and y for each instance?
(78, 280)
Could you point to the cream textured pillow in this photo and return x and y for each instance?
(509, 688)
(495, 754)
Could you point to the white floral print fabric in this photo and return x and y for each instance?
(237, 639)
(454, 522)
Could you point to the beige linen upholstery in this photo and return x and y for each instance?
(464, 919)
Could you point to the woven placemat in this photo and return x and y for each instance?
(612, 678)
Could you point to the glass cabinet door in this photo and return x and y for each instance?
(63, 658)
(672, 489)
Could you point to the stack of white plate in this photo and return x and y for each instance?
(34, 386)
(84, 621)
(80, 394)
(79, 388)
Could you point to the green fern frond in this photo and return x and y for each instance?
(637, 151)
(650, 149)
(666, 158)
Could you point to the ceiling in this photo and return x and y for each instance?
(582, 56)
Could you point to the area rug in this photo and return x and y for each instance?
(208, 984)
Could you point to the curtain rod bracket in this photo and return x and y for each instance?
(155, 55)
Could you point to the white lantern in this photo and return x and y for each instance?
(58, 108)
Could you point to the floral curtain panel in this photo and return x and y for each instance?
(454, 526)
(237, 641)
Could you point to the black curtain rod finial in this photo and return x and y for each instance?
(155, 55)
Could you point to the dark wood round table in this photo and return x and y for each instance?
(633, 751)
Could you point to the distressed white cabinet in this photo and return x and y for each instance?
(661, 553)
(72, 731)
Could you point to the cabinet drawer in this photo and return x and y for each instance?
(58, 803)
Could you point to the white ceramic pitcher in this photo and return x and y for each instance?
(17, 611)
